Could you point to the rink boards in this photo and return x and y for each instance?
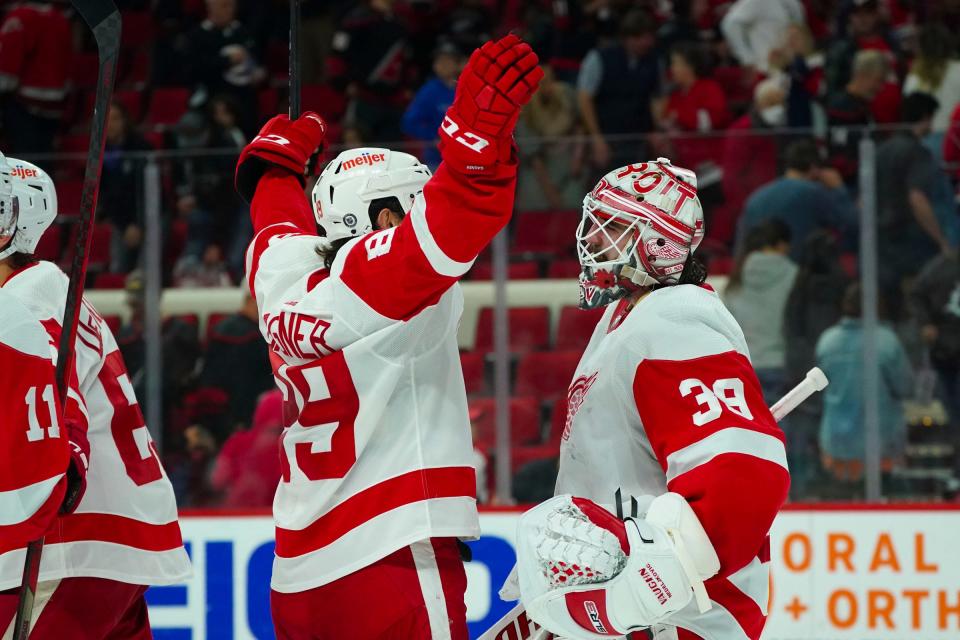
(864, 573)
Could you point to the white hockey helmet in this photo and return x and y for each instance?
(37, 203)
(9, 205)
(356, 177)
(640, 224)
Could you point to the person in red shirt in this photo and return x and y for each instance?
(696, 108)
(37, 51)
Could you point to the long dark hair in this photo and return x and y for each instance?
(329, 253)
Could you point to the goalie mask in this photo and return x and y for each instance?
(640, 224)
(355, 178)
(34, 207)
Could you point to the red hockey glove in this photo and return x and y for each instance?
(499, 79)
(76, 473)
(294, 146)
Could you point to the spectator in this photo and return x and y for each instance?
(756, 295)
(806, 197)
(370, 64)
(221, 52)
(237, 362)
(615, 90)
(849, 110)
(696, 106)
(803, 65)
(909, 233)
(37, 46)
(247, 470)
(935, 298)
(814, 304)
(211, 271)
(865, 31)
(206, 199)
(425, 113)
(180, 349)
(750, 155)
(840, 354)
(754, 28)
(121, 188)
(936, 71)
(550, 159)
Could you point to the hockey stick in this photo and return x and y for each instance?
(516, 626)
(294, 70)
(104, 20)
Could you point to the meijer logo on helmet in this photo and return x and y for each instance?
(23, 172)
(364, 158)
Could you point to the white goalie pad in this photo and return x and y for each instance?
(584, 573)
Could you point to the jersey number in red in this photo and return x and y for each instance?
(329, 398)
(127, 425)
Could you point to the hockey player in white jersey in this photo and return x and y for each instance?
(671, 466)
(377, 476)
(123, 535)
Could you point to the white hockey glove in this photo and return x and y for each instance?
(586, 574)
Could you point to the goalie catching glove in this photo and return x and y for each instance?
(292, 145)
(584, 573)
(477, 130)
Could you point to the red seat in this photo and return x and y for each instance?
(213, 320)
(68, 197)
(529, 329)
(473, 366)
(114, 323)
(575, 328)
(138, 29)
(524, 421)
(546, 374)
(132, 101)
(323, 99)
(545, 232)
(84, 72)
(850, 264)
(48, 248)
(98, 259)
(167, 105)
(109, 280)
(564, 269)
(134, 69)
(515, 271)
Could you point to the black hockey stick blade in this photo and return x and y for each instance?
(294, 69)
(104, 20)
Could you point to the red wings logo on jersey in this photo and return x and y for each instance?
(575, 397)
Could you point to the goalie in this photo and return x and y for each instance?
(678, 465)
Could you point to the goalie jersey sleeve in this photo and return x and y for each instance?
(714, 436)
(33, 444)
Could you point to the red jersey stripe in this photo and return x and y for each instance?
(107, 527)
(414, 486)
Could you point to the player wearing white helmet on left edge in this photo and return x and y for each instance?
(672, 468)
(123, 533)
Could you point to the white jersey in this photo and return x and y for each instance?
(377, 451)
(125, 527)
(665, 399)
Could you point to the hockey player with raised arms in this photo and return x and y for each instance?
(672, 468)
(377, 477)
(123, 534)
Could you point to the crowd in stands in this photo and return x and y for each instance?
(768, 100)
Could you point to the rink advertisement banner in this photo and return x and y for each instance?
(844, 574)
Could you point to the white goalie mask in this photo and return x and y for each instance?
(35, 207)
(355, 178)
(640, 224)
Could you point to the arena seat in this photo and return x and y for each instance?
(473, 365)
(576, 327)
(546, 374)
(529, 329)
(524, 421)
